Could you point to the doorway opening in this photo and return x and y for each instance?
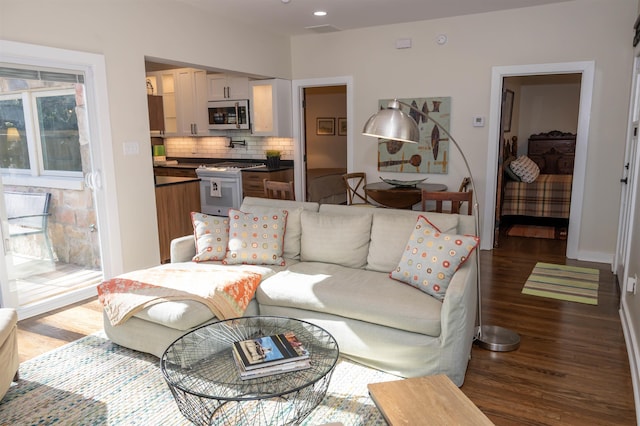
(586, 70)
(323, 135)
(325, 143)
(539, 120)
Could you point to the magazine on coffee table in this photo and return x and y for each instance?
(265, 351)
(270, 370)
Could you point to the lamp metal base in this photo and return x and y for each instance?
(497, 339)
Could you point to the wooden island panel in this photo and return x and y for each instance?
(174, 204)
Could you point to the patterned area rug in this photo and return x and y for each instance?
(537, 231)
(562, 282)
(95, 382)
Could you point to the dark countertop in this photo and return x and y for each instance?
(194, 163)
(266, 169)
(173, 180)
(179, 166)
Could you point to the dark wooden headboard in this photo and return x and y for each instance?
(553, 152)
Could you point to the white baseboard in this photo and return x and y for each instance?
(633, 352)
(595, 256)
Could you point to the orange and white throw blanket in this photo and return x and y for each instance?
(226, 292)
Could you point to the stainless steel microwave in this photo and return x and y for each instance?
(229, 115)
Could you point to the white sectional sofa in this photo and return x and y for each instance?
(336, 275)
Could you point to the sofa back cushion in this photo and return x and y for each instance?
(293, 230)
(333, 238)
(389, 233)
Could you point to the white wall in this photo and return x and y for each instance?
(579, 30)
(547, 107)
(125, 32)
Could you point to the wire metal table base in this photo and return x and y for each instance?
(201, 373)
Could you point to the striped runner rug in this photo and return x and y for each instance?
(563, 282)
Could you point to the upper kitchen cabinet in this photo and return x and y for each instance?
(184, 99)
(162, 83)
(270, 106)
(156, 113)
(193, 118)
(227, 86)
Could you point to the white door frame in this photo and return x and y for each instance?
(587, 69)
(628, 172)
(298, 125)
(94, 69)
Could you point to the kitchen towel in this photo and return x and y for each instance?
(215, 187)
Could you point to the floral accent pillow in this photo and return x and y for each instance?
(431, 258)
(211, 234)
(256, 239)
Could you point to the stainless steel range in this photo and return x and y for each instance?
(221, 186)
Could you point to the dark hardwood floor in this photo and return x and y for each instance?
(571, 367)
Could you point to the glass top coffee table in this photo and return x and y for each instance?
(202, 375)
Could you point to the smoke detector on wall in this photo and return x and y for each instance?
(441, 39)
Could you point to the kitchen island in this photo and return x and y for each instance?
(176, 198)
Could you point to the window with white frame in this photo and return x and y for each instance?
(40, 136)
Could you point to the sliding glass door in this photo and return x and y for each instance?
(51, 253)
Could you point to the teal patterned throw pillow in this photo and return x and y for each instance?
(256, 239)
(431, 258)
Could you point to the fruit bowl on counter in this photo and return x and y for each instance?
(403, 183)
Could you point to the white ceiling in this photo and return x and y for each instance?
(296, 16)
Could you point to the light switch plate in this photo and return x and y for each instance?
(131, 148)
(478, 121)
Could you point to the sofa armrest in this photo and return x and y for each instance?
(183, 249)
(459, 308)
(458, 320)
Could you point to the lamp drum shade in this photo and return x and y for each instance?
(392, 123)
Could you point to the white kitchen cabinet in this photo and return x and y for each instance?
(184, 98)
(191, 102)
(270, 106)
(227, 86)
(163, 84)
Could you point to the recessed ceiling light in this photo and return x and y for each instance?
(320, 13)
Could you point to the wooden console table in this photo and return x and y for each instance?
(400, 197)
(429, 400)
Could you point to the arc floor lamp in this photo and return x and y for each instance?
(394, 124)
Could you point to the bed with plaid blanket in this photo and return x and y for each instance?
(547, 196)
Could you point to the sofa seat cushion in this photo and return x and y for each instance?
(352, 293)
(186, 314)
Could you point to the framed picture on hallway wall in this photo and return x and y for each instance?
(325, 126)
(342, 126)
(507, 109)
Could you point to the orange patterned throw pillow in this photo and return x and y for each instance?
(431, 258)
(256, 239)
(211, 234)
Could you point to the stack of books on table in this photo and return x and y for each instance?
(267, 355)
